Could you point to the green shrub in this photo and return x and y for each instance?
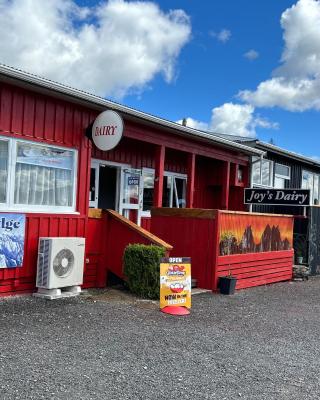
(142, 269)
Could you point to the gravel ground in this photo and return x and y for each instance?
(261, 343)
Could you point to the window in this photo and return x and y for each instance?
(281, 175)
(3, 170)
(262, 172)
(174, 190)
(148, 189)
(42, 178)
(311, 181)
(240, 174)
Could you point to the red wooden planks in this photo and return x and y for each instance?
(256, 269)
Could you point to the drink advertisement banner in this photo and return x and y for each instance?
(12, 232)
(175, 282)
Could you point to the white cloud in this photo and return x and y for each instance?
(251, 55)
(264, 123)
(233, 119)
(109, 49)
(223, 36)
(295, 84)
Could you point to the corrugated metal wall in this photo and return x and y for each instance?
(314, 240)
(294, 183)
(35, 117)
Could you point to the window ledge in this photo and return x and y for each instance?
(28, 211)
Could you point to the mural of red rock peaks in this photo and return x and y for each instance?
(249, 233)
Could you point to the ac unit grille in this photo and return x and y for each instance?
(63, 263)
(43, 263)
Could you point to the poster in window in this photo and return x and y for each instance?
(42, 156)
(12, 233)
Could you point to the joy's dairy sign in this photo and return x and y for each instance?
(107, 130)
(281, 197)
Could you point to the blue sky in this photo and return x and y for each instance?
(234, 66)
(211, 73)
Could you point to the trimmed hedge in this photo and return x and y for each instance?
(142, 269)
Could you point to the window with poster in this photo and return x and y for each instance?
(41, 177)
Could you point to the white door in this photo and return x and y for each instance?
(94, 185)
(131, 199)
(105, 186)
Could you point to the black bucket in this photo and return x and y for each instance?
(227, 284)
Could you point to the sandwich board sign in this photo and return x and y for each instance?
(175, 285)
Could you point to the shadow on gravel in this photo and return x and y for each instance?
(119, 294)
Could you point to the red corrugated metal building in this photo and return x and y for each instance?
(178, 167)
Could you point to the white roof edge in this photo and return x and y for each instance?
(69, 91)
(289, 153)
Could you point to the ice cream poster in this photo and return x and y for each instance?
(12, 233)
(175, 282)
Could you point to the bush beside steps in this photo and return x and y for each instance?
(142, 269)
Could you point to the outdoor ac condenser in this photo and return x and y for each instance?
(60, 262)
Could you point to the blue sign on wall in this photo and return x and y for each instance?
(12, 233)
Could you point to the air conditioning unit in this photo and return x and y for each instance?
(60, 262)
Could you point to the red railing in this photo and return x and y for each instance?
(256, 248)
(109, 234)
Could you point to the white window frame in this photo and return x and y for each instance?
(96, 163)
(285, 177)
(271, 175)
(175, 175)
(146, 214)
(166, 173)
(11, 170)
(312, 191)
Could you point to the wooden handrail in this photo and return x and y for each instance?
(203, 213)
(143, 232)
(255, 213)
(184, 212)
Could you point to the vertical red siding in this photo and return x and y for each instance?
(146, 223)
(32, 116)
(142, 155)
(190, 237)
(208, 183)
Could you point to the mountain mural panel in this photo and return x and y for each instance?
(12, 233)
(242, 233)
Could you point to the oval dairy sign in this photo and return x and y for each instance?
(107, 130)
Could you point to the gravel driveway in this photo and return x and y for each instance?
(261, 343)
